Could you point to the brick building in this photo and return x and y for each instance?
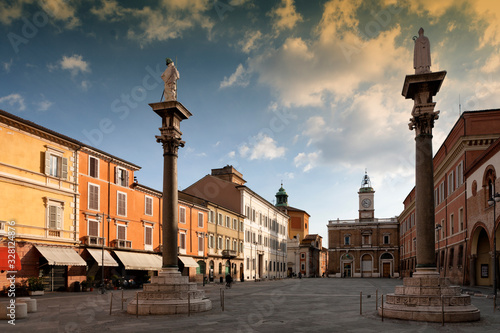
(364, 247)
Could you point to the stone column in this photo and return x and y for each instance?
(472, 270)
(171, 113)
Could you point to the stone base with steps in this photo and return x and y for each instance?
(169, 293)
(425, 297)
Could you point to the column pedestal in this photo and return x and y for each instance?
(168, 293)
(422, 296)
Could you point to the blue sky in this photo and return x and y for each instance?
(308, 93)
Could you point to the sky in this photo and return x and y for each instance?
(307, 93)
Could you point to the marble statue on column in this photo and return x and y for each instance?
(422, 54)
(170, 77)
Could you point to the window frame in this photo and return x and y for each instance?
(146, 199)
(182, 215)
(98, 197)
(118, 193)
(96, 168)
(122, 179)
(146, 245)
(200, 219)
(118, 226)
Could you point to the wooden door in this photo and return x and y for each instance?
(386, 269)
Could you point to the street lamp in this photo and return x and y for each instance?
(493, 202)
(205, 254)
(438, 228)
(108, 219)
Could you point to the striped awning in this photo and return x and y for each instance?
(140, 261)
(108, 259)
(60, 256)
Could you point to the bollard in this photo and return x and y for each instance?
(360, 303)
(382, 304)
(137, 304)
(442, 310)
(189, 304)
(110, 302)
(222, 299)
(220, 296)
(494, 303)
(122, 299)
(376, 300)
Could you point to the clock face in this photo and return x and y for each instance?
(366, 203)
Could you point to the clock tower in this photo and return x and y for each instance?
(366, 194)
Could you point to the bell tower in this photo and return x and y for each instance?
(281, 197)
(366, 204)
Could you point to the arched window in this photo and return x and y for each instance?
(386, 255)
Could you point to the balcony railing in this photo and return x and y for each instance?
(229, 253)
(93, 240)
(121, 243)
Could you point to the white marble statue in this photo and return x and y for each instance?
(170, 77)
(422, 54)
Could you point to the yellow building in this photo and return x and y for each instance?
(225, 243)
(39, 201)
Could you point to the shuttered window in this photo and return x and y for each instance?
(148, 206)
(93, 197)
(56, 165)
(121, 204)
(148, 237)
(55, 216)
(121, 231)
(93, 167)
(93, 228)
(200, 244)
(182, 215)
(182, 243)
(121, 176)
(200, 220)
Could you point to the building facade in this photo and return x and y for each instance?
(483, 215)
(39, 202)
(364, 247)
(473, 133)
(265, 226)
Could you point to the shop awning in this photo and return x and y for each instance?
(6, 258)
(97, 255)
(140, 261)
(60, 256)
(188, 261)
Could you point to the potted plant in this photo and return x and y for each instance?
(90, 281)
(35, 286)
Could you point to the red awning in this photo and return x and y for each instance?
(6, 263)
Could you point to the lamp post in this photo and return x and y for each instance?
(438, 228)
(108, 219)
(493, 202)
(205, 254)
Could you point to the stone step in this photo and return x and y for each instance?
(180, 295)
(428, 291)
(413, 300)
(155, 287)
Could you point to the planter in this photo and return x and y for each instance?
(35, 292)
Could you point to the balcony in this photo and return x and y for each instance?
(121, 243)
(229, 254)
(93, 240)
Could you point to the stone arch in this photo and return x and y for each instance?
(386, 265)
(347, 265)
(480, 264)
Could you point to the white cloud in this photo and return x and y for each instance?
(75, 64)
(62, 10)
(169, 20)
(44, 104)
(231, 154)
(7, 65)
(261, 147)
(492, 64)
(12, 10)
(250, 41)
(285, 15)
(239, 78)
(14, 99)
(306, 161)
